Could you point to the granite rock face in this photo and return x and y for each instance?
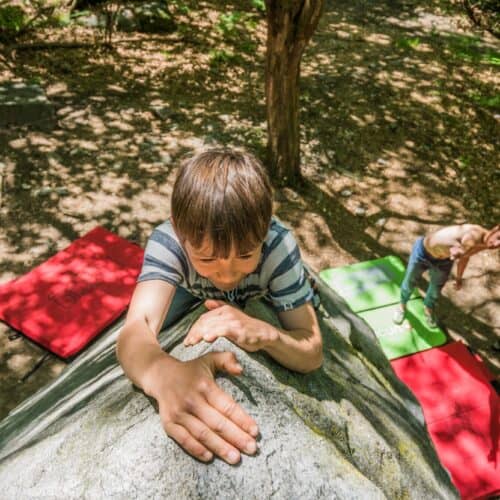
(348, 430)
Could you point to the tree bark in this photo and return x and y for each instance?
(290, 25)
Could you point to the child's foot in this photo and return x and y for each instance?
(430, 319)
(399, 315)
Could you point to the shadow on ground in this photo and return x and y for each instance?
(399, 119)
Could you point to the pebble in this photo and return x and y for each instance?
(346, 193)
(45, 191)
(381, 222)
(359, 211)
(381, 161)
(25, 186)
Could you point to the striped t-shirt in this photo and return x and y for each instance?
(280, 277)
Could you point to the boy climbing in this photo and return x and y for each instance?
(436, 253)
(221, 246)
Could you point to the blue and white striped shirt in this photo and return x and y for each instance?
(280, 277)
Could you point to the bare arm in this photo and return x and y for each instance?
(298, 345)
(463, 262)
(461, 265)
(137, 347)
(194, 411)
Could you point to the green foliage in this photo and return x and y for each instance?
(492, 102)
(469, 49)
(259, 5)
(61, 19)
(180, 7)
(408, 43)
(227, 24)
(12, 20)
(221, 57)
(237, 28)
(248, 47)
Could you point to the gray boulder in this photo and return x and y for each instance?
(348, 430)
(146, 17)
(25, 104)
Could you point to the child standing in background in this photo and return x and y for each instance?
(436, 253)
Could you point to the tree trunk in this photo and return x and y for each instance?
(290, 25)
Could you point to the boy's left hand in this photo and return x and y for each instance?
(224, 320)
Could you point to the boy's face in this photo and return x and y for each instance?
(225, 274)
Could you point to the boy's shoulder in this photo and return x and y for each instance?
(165, 227)
(164, 239)
(164, 233)
(278, 233)
(280, 247)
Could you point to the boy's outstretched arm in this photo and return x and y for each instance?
(298, 345)
(461, 265)
(194, 411)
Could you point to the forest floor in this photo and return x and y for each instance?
(400, 117)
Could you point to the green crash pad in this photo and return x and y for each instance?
(412, 336)
(368, 285)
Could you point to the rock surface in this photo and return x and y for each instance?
(348, 430)
(146, 17)
(25, 104)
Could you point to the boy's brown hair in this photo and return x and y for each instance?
(223, 196)
(492, 237)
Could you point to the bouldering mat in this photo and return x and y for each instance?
(370, 284)
(413, 335)
(461, 409)
(66, 301)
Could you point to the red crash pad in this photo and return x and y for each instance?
(461, 410)
(66, 301)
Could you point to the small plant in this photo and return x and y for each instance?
(180, 7)
(16, 20)
(221, 57)
(259, 5)
(492, 58)
(12, 20)
(408, 43)
(228, 23)
(492, 102)
(469, 49)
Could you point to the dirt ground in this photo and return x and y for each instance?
(400, 117)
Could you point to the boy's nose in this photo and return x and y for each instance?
(227, 271)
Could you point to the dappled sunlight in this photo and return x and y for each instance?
(395, 112)
(378, 38)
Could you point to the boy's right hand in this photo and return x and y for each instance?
(194, 411)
